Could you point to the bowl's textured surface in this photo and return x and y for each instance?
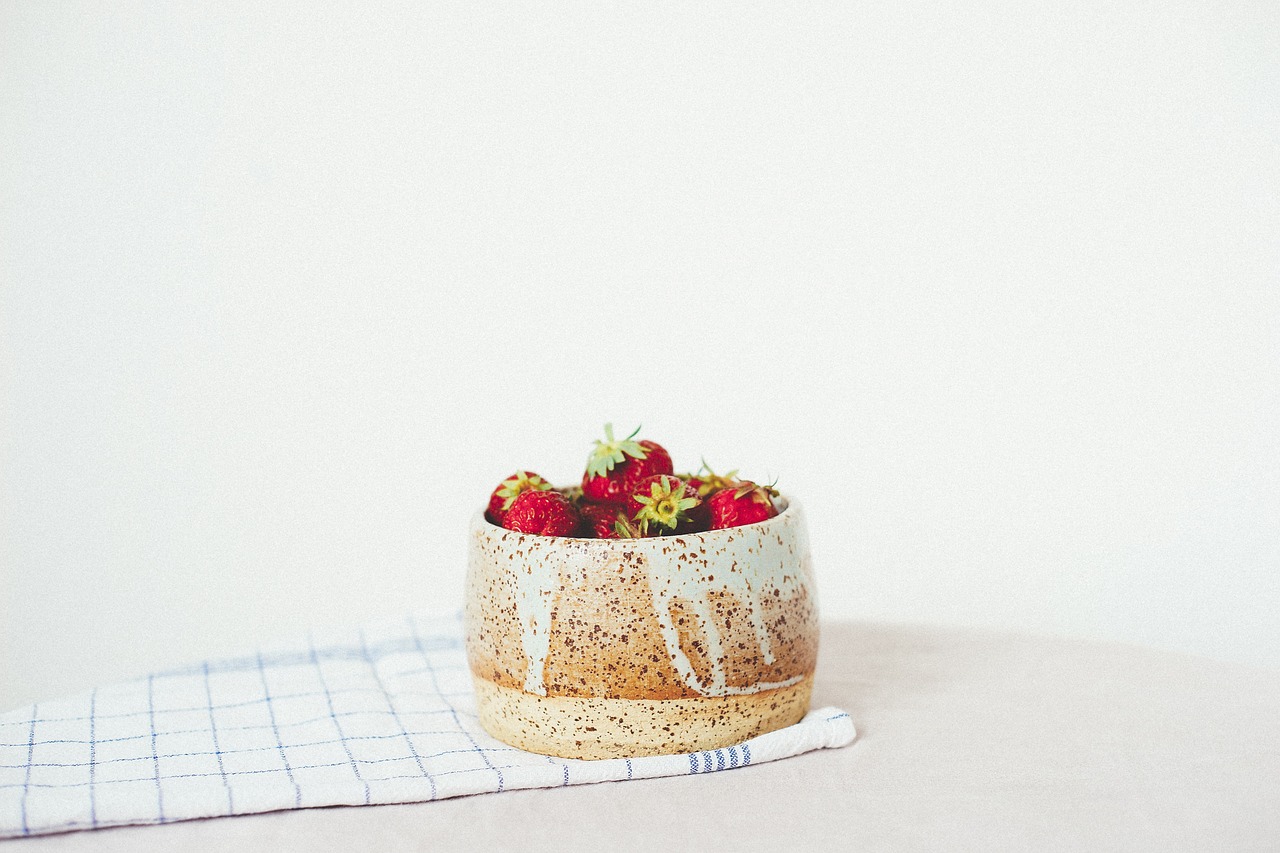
(593, 648)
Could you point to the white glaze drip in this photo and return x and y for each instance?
(671, 638)
(537, 587)
(533, 603)
(744, 568)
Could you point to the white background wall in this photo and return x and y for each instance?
(992, 288)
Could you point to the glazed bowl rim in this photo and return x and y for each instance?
(789, 508)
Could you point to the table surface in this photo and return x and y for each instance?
(967, 741)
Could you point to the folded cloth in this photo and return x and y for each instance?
(381, 715)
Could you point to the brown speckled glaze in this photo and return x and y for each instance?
(602, 648)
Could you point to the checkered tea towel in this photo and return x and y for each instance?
(381, 715)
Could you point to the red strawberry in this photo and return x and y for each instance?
(746, 504)
(608, 521)
(616, 467)
(548, 513)
(503, 496)
(663, 504)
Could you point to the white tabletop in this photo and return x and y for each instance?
(967, 740)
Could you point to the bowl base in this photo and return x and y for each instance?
(588, 727)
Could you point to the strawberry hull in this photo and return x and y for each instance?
(664, 504)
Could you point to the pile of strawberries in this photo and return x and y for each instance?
(629, 491)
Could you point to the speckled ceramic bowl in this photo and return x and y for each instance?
(607, 648)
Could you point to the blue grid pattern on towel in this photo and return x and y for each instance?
(380, 715)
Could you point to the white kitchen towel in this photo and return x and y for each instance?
(381, 715)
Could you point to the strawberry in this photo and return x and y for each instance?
(608, 521)
(503, 496)
(746, 504)
(545, 512)
(663, 504)
(614, 467)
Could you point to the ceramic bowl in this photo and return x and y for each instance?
(609, 648)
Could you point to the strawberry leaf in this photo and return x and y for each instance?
(610, 452)
(523, 481)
